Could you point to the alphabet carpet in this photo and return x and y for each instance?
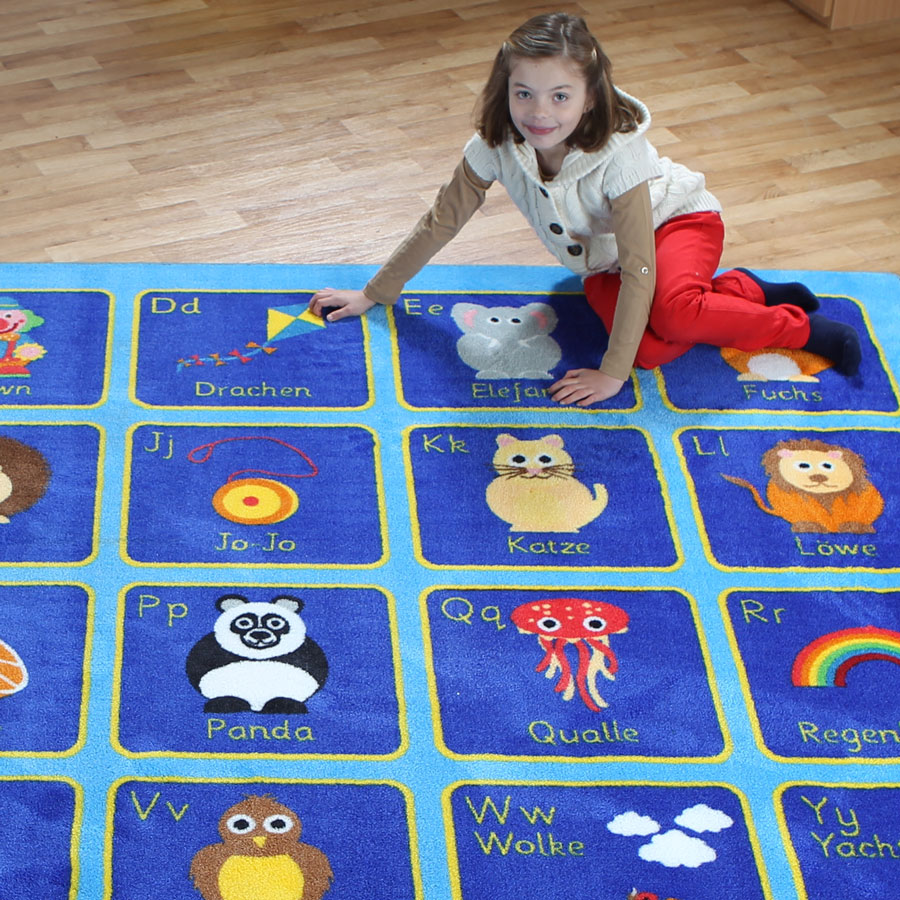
(293, 609)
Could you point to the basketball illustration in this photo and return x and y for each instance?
(13, 674)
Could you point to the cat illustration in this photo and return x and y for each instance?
(536, 490)
(507, 341)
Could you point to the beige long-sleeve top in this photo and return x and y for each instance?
(458, 200)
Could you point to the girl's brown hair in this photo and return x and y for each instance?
(557, 34)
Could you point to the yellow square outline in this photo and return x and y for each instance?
(133, 362)
(115, 718)
(77, 821)
(437, 719)
(404, 791)
(87, 657)
(98, 494)
(657, 468)
(379, 490)
(667, 402)
(701, 524)
(553, 407)
(747, 692)
(450, 831)
(790, 851)
(107, 356)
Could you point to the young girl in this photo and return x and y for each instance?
(643, 232)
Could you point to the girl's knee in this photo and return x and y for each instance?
(645, 359)
(673, 317)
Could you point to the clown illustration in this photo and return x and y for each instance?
(17, 353)
(586, 624)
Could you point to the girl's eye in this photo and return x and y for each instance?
(561, 98)
(523, 95)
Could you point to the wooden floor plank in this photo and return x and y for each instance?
(214, 130)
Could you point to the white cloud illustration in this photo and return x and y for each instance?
(629, 824)
(702, 818)
(674, 849)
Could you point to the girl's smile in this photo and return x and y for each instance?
(547, 98)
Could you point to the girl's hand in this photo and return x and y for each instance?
(347, 303)
(584, 387)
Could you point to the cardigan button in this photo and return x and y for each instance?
(575, 249)
(556, 228)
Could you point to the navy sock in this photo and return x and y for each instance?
(835, 341)
(792, 292)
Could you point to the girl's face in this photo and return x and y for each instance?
(547, 98)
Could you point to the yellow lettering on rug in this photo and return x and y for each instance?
(834, 825)
(271, 543)
(540, 842)
(542, 732)
(162, 306)
(218, 728)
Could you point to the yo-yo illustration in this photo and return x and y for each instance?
(259, 498)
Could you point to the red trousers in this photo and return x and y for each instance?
(692, 305)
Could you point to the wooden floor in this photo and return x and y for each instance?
(317, 131)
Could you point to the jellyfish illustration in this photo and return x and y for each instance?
(586, 624)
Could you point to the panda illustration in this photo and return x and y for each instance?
(258, 658)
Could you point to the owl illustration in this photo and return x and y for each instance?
(260, 857)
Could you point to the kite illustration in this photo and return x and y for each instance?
(282, 322)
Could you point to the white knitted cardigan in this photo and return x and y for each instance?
(571, 213)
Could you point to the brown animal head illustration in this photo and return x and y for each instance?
(260, 855)
(814, 467)
(24, 475)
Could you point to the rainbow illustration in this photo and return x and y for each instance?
(826, 661)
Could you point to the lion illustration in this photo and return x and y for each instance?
(817, 488)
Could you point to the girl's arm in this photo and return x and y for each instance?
(455, 204)
(636, 243)
(633, 228)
